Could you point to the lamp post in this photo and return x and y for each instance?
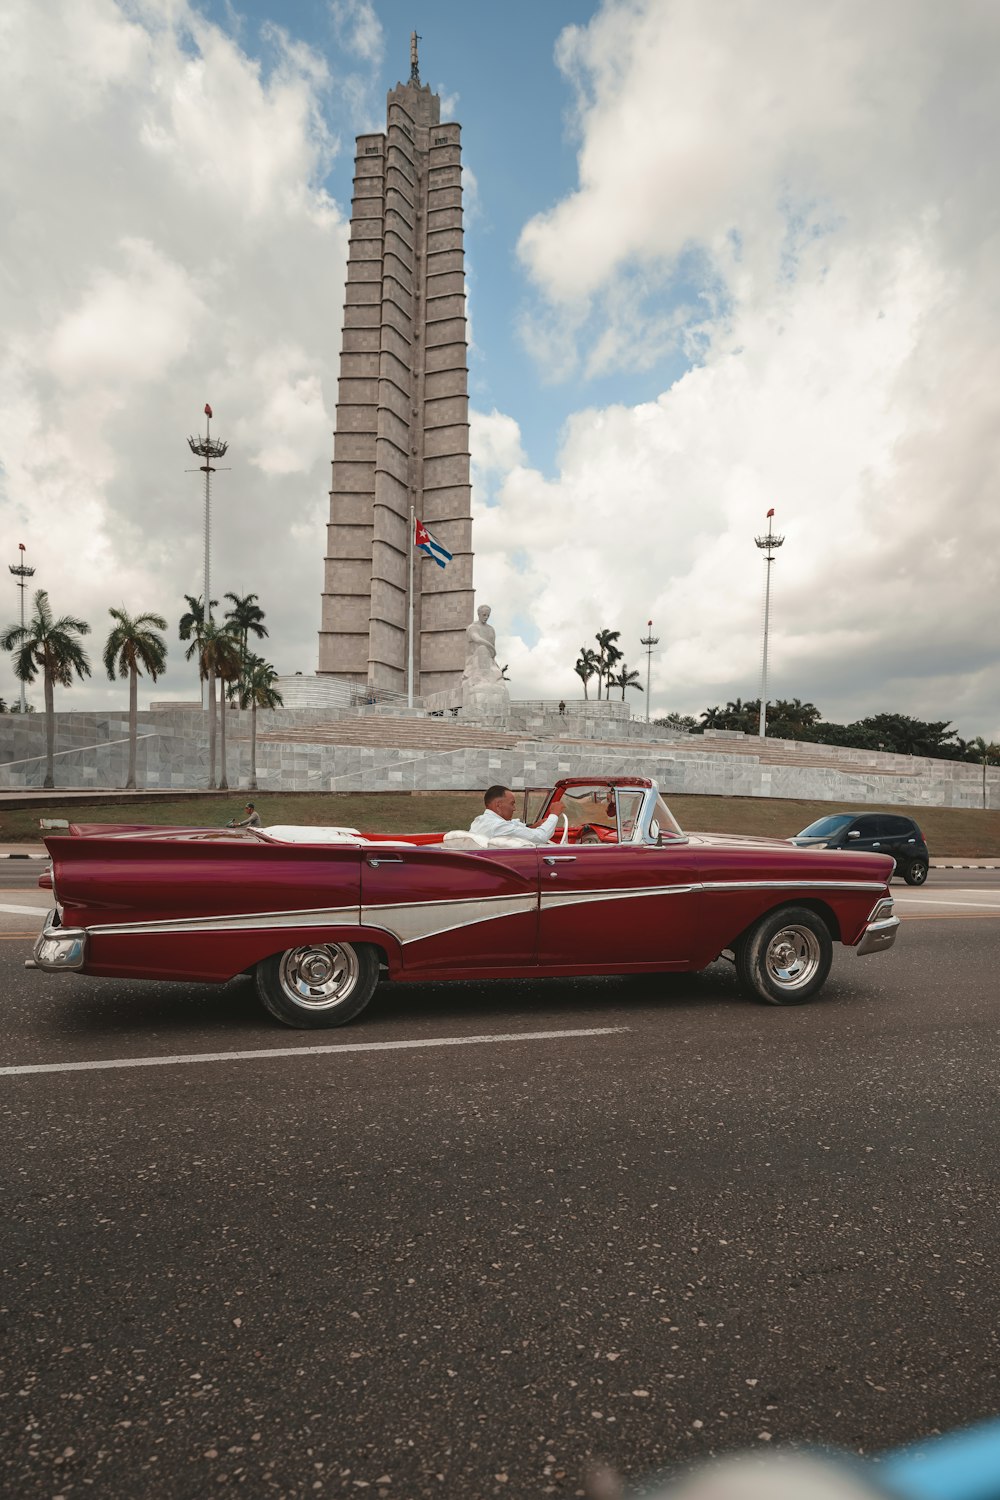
(21, 572)
(649, 640)
(769, 545)
(207, 448)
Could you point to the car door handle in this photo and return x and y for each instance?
(386, 859)
(560, 859)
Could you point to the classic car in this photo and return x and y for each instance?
(319, 915)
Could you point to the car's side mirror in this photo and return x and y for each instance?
(654, 831)
(854, 834)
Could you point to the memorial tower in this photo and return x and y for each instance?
(402, 428)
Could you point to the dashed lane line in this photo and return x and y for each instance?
(270, 1052)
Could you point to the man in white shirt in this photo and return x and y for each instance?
(498, 821)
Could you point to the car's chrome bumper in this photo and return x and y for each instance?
(58, 948)
(881, 930)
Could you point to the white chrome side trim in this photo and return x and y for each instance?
(329, 916)
(555, 897)
(412, 923)
(793, 885)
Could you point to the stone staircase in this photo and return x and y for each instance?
(794, 753)
(417, 732)
(384, 732)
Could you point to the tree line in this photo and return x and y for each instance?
(791, 719)
(51, 648)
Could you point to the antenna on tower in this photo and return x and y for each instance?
(414, 60)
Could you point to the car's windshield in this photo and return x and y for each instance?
(663, 823)
(598, 804)
(824, 827)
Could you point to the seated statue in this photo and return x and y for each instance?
(483, 688)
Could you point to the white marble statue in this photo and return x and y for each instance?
(483, 688)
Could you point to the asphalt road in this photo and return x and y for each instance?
(684, 1223)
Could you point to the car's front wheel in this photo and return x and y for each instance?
(317, 985)
(784, 958)
(915, 873)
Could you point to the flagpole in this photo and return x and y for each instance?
(409, 632)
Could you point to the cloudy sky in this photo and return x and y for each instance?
(723, 255)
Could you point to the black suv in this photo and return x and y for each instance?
(880, 833)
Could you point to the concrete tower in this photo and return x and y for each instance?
(402, 433)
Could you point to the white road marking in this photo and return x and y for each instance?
(31, 911)
(267, 1052)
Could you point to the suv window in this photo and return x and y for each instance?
(900, 827)
(868, 827)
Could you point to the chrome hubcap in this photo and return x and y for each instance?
(792, 957)
(319, 977)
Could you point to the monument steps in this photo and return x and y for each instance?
(387, 733)
(769, 754)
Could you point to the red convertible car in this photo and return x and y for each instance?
(318, 915)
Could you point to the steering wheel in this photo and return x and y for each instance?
(565, 828)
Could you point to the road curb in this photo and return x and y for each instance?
(935, 865)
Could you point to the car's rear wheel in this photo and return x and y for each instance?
(785, 958)
(319, 984)
(915, 873)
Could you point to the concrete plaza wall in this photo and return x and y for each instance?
(92, 753)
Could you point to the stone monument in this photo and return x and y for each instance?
(402, 427)
(484, 691)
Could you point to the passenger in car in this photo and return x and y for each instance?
(499, 819)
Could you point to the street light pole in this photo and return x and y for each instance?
(207, 448)
(769, 545)
(22, 572)
(649, 640)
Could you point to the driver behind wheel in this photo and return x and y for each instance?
(499, 820)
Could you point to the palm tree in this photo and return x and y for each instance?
(712, 718)
(192, 628)
(132, 645)
(626, 679)
(255, 689)
(608, 654)
(51, 647)
(219, 657)
(246, 616)
(192, 622)
(585, 666)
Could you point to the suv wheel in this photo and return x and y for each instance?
(915, 873)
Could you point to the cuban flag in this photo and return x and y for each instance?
(429, 545)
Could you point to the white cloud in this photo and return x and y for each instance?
(799, 196)
(358, 28)
(168, 241)
(129, 326)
